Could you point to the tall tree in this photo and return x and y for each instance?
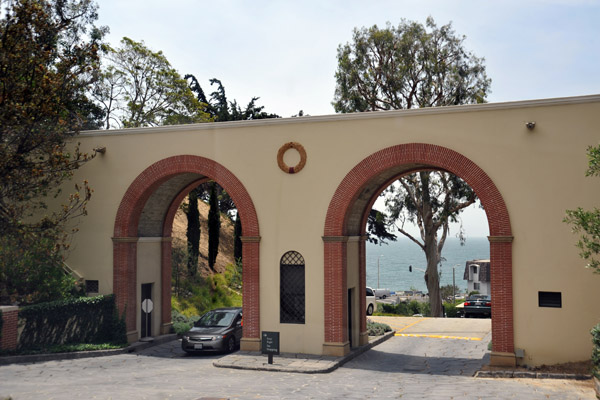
(214, 226)
(193, 232)
(237, 239)
(48, 61)
(587, 223)
(407, 67)
(139, 87)
(413, 66)
(221, 109)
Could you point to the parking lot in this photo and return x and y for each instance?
(420, 366)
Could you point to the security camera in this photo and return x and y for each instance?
(530, 125)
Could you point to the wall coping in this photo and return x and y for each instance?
(9, 308)
(349, 116)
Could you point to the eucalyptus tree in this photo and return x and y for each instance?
(414, 66)
(139, 87)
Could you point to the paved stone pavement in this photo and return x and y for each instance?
(401, 367)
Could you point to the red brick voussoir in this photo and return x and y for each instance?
(373, 174)
(128, 219)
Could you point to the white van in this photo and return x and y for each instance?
(371, 303)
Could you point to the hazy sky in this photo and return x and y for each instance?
(285, 52)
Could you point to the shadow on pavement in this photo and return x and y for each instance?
(376, 360)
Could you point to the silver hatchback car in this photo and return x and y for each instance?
(217, 330)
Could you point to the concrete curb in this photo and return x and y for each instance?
(33, 358)
(299, 363)
(531, 375)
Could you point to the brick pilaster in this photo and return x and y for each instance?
(10, 333)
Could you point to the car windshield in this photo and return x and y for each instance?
(215, 318)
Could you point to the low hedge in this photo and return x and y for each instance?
(596, 351)
(377, 328)
(80, 320)
(408, 309)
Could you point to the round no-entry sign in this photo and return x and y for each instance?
(147, 306)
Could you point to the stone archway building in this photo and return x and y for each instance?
(306, 185)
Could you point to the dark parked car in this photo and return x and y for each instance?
(478, 305)
(217, 330)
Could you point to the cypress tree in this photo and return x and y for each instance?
(237, 241)
(193, 233)
(214, 226)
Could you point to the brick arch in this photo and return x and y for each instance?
(126, 234)
(357, 192)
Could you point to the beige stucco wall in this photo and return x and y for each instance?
(539, 173)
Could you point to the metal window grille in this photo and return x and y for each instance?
(91, 286)
(292, 289)
(550, 299)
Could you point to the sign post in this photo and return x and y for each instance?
(270, 344)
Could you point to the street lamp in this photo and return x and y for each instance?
(454, 284)
(378, 287)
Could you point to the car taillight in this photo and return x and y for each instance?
(489, 303)
(467, 303)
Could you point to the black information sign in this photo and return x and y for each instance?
(270, 344)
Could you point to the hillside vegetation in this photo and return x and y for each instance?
(192, 296)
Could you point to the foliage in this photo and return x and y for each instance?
(82, 320)
(405, 308)
(214, 226)
(447, 291)
(68, 348)
(596, 351)
(139, 87)
(414, 66)
(199, 295)
(377, 328)
(451, 310)
(31, 270)
(587, 223)
(237, 240)
(181, 322)
(221, 109)
(49, 60)
(193, 232)
(377, 223)
(407, 67)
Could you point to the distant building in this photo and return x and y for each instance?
(477, 275)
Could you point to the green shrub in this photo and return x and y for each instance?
(451, 310)
(31, 269)
(596, 351)
(377, 329)
(81, 320)
(407, 309)
(181, 322)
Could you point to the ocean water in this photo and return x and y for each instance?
(395, 257)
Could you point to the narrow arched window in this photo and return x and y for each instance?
(292, 289)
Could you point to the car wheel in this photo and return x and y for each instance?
(383, 297)
(370, 309)
(231, 345)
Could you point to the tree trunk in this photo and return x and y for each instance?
(432, 278)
